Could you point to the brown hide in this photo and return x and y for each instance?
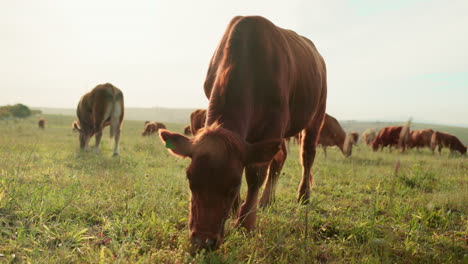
(187, 131)
(41, 123)
(103, 106)
(420, 138)
(354, 136)
(388, 136)
(264, 83)
(332, 134)
(152, 127)
(197, 120)
(440, 140)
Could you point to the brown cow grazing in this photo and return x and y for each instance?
(440, 140)
(41, 123)
(355, 136)
(197, 120)
(264, 84)
(102, 106)
(332, 134)
(420, 138)
(187, 131)
(388, 136)
(368, 136)
(152, 127)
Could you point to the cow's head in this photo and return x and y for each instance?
(348, 145)
(218, 157)
(85, 134)
(375, 144)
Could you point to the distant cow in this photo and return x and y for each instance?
(102, 106)
(152, 127)
(41, 123)
(187, 130)
(197, 120)
(332, 134)
(440, 140)
(420, 138)
(354, 136)
(368, 136)
(388, 136)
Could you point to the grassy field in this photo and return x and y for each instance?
(59, 205)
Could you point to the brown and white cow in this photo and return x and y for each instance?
(368, 136)
(41, 123)
(420, 138)
(332, 134)
(264, 84)
(151, 128)
(440, 140)
(101, 107)
(197, 120)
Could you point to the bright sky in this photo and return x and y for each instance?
(386, 59)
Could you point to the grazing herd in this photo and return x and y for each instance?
(265, 84)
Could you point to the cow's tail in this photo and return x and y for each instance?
(348, 145)
(404, 135)
(76, 126)
(116, 110)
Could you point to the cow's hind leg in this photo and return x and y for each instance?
(274, 171)
(308, 151)
(255, 176)
(116, 141)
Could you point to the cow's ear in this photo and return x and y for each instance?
(177, 144)
(262, 151)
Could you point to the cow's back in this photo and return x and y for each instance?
(388, 135)
(264, 74)
(99, 104)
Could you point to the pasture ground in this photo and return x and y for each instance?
(60, 205)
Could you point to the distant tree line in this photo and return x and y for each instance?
(17, 111)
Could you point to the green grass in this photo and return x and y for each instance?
(59, 205)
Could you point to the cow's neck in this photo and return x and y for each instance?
(340, 138)
(233, 116)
